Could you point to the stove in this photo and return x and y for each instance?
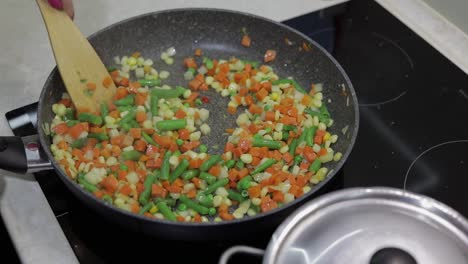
(413, 133)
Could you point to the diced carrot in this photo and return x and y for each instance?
(267, 204)
(164, 141)
(98, 194)
(229, 130)
(215, 170)
(194, 84)
(226, 216)
(180, 218)
(130, 164)
(122, 174)
(195, 163)
(124, 82)
(120, 93)
(192, 193)
(278, 196)
(309, 153)
(135, 208)
(116, 151)
(246, 41)
(306, 100)
(76, 130)
(255, 109)
(197, 182)
(322, 152)
(139, 145)
(189, 145)
(229, 147)
(125, 190)
(154, 163)
(66, 102)
(136, 54)
(270, 55)
(180, 113)
(296, 191)
(288, 120)
(243, 173)
(190, 63)
(140, 98)
(254, 191)
(60, 128)
(320, 133)
(270, 116)
(115, 114)
(110, 183)
(198, 52)
(135, 132)
(115, 74)
(261, 94)
(63, 145)
(184, 134)
(301, 181)
(91, 86)
(107, 81)
(197, 218)
(158, 191)
(255, 161)
(232, 110)
(140, 116)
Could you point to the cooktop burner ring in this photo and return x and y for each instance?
(427, 151)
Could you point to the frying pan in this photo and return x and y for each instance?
(218, 34)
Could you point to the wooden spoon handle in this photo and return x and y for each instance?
(77, 61)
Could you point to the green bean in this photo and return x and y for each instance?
(125, 108)
(131, 155)
(289, 128)
(208, 63)
(190, 174)
(177, 153)
(296, 85)
(165, 166)
(128, 117)
(193, 205)
(244, 183)
(166, 125)
(69, 114)
(219, 183)
(154, 104)
(150, 83)
(230, 163)
(99, 136)
(298, 159)
(86, 184)
(123, 167)
(104, 110)
(126, 101)
(285, 136)
(271, 144)
(263, 166)
(134, 124)
(205, 199)
(207, 164)
(146, 208)
(323, 115)
(198, 101)
(71, 123)
(182, 207)
(254, 64)
(107, 198)
(167, 201)
(233, 195)
(168, 93)
(240, 164)
(79, 143)
(302, 136)
(310, 136)
(179, 142)
(145, 194)
(203, 148)
(207, 177)
(126, 127)
(315, 166)
(181, 168)
(166, 211)
(324, 110)
(91, 118)
(212, 211)
(148, 139)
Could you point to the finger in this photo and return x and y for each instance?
(56, 4)
(68, 8)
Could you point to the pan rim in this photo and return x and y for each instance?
(296, 202)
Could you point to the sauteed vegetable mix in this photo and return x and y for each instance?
(144, 152)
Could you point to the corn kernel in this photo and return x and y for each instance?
(327, 136)
(274, 96)
(153, 209)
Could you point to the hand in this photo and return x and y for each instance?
(66, 5)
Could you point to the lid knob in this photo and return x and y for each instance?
(392, 256)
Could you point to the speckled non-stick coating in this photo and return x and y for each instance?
(218, 33)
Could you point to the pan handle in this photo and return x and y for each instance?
(22, 155)
(240, 249)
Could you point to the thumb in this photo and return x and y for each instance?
(65, 5)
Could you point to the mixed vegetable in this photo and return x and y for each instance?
(144, 152)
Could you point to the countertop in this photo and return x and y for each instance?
(25, 63)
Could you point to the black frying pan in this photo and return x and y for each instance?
(218, 34)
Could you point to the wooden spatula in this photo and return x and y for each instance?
(84, 75)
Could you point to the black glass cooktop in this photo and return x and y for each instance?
(413, 133)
